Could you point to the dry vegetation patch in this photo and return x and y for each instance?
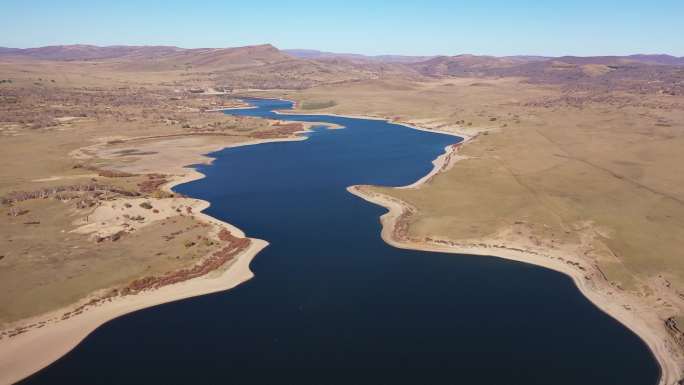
(86, 158)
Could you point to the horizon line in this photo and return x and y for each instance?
(340, 53)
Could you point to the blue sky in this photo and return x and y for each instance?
(427, 27)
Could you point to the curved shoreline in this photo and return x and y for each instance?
(634, 314)
(63, 336)
(638, 318)
(26, 353)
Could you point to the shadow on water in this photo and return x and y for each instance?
(331, 303)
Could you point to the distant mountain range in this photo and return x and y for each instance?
(313, 54)
(480, 59)
(200, 56)
(265, 66)
(91, 52)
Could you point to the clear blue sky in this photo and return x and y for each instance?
(424, 27)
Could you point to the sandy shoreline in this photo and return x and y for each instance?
(627, 309)
(25, 354)
(29, 352)
(633, 313)
(219, 109)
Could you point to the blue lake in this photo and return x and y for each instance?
(332, 303)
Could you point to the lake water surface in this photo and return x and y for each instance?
(332, 303)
